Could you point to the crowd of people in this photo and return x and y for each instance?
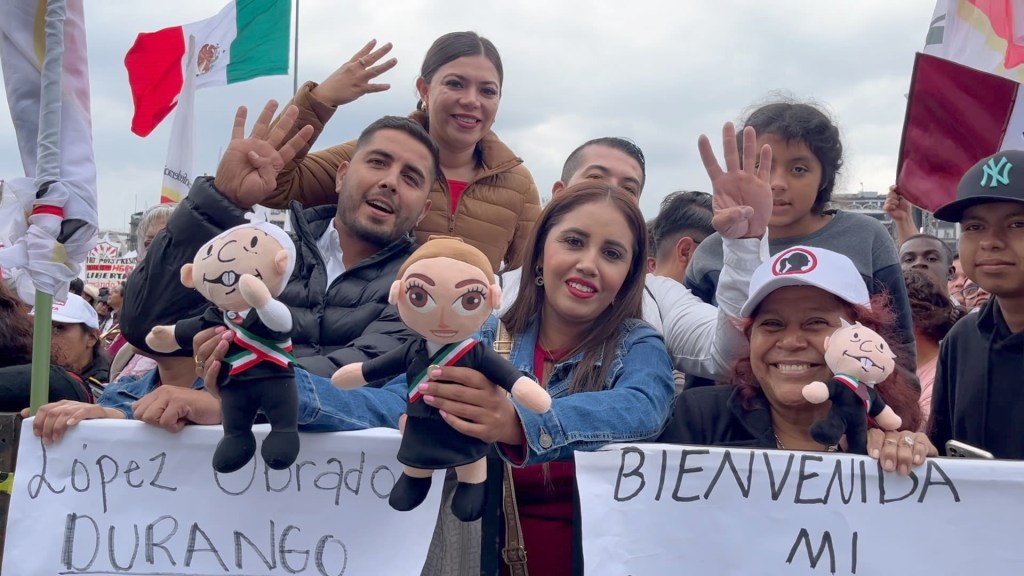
(700, 327)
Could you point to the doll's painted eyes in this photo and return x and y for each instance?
(469, 302)
(420, 299)
(252, 243)
(209, 251)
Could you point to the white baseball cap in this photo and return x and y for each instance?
(74, 310)
(807, 266)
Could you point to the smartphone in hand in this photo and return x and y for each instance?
(957, 449)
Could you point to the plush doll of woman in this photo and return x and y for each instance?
(859, 358)
(240, 272)
(445, 292)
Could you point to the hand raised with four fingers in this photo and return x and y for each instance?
(742, 194)
(247, 173)
(353, 78)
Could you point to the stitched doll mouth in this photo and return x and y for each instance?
(227, 278)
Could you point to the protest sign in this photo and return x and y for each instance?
(107, 273)
(653, 509)
(122, 497)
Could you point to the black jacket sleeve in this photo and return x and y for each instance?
(940, 429)
(154, 294)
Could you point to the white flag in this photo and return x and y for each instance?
(49, 101)
(985, 35)
(178, 174)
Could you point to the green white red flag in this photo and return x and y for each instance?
(246, 39)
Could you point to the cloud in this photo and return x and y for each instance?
(659, 73)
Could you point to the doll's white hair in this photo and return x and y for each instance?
(259, 222)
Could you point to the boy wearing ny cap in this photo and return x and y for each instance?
(977, 396)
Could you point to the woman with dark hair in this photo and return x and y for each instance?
(16, 332)
(807, 157)
(934, 316)
(78, 364)
(576, 325)
(486, 196)
(797, 299)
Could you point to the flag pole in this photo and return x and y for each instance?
(47, 172)
(295, 53)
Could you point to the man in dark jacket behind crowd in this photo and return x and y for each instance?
(347, 255)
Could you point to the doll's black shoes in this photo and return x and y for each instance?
(409, 492)
(468, 501)
(280, 448)
(234, 451)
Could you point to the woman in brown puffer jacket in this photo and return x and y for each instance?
(487, 197)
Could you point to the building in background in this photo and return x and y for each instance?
(871, 204)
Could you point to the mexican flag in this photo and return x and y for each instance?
(246, 39)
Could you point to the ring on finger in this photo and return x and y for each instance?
(909, 441)
(362, 62)
(200, 364)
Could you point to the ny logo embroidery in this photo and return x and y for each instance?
(1000, 173)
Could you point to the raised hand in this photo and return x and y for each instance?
(896, 206)
(352, 79)
(742, 196)
(247, 173)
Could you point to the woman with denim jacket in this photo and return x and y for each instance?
(576, 328)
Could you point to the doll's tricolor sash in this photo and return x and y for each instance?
(256, 350)
(860, 389)
(446, 356)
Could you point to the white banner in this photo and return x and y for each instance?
(122, 497)
(654, 509)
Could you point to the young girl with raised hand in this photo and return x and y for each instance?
(807, 156)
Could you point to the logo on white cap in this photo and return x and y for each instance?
(794, 261)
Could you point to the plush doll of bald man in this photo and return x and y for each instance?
(445, 292)
(241, 272)
(859, 358)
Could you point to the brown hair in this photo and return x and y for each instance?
(933, 312)
(599, 345)
(449, 247)
(16, 336)
(455, 45)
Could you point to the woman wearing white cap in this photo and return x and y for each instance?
(78, 364)
(797, 299)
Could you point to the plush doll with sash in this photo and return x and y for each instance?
(859, 358)
(241, 272)
(445, 291)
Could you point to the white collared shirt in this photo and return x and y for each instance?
(330, 250)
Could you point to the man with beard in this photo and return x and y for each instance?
(347, 255)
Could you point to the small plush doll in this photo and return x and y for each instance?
(445, 292)
(240, 272)
(859, 358)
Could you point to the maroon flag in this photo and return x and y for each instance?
(956, 115)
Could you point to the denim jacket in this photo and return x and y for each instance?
(123, 392)
(634, 404)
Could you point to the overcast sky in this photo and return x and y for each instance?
(659, 73)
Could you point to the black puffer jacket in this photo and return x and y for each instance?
(350, 322)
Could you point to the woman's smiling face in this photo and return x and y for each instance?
(787, 341)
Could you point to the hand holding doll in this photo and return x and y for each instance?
(240, 272)
(445, 291)
(859, 358)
